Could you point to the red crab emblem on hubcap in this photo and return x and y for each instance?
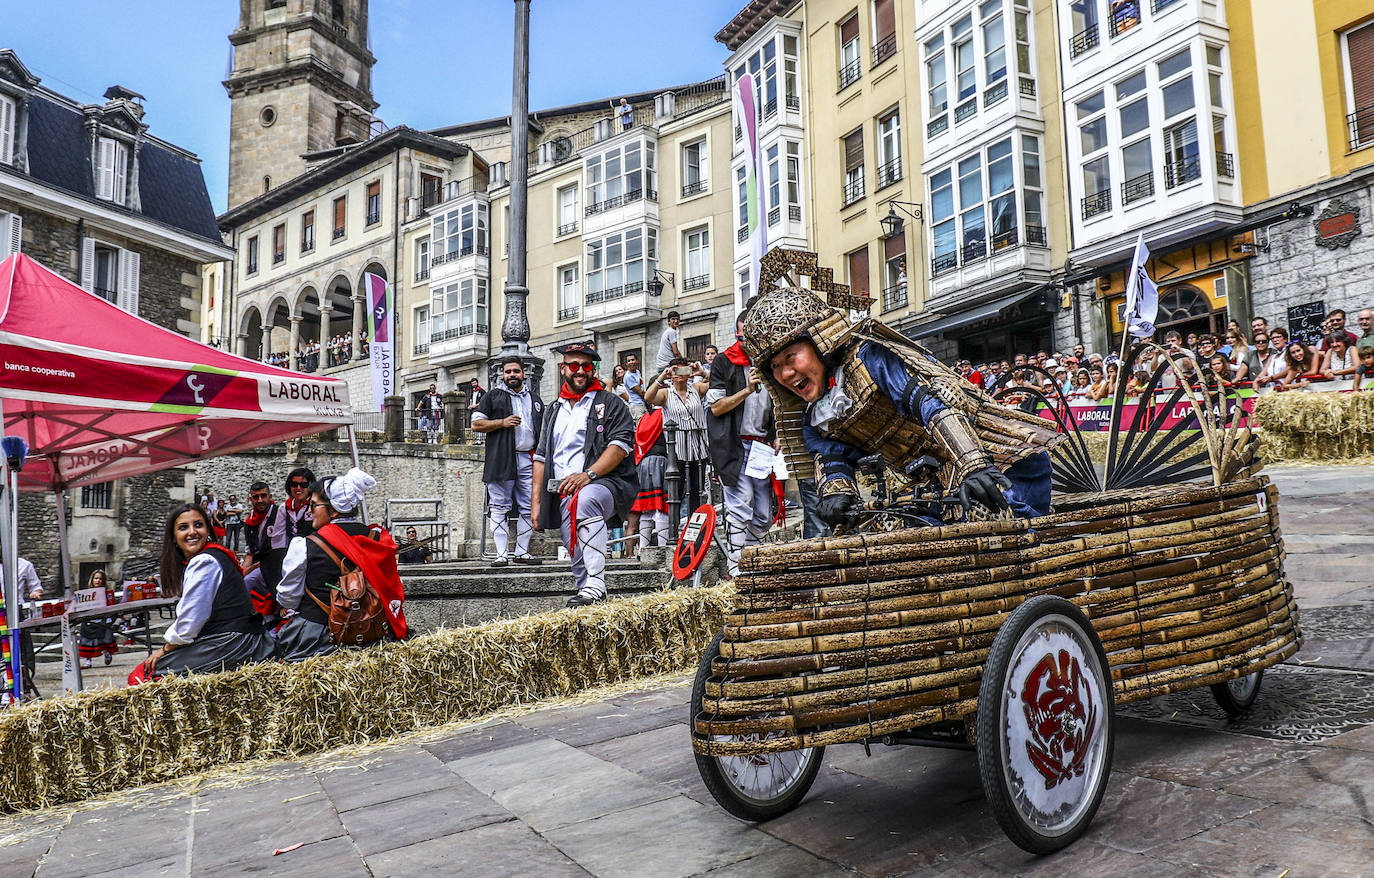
(1061, 716)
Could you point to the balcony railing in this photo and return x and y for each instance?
(1026, 86)
(596, 296)
(278, 258)
(886, 48)
(938, 125)
(853, 190)
(1124, 17)
(944, 262)
(420, 348)
(975, 250)
(338, 233)
(1226, 165)
(739, 133)
(894, 297)
(742, 235)
(1083, 41)
(621, 200)
(422, 274)
(850, 73)
(432, 196)
(693, 188)
(374, 216)
(1182, 171)
(1361, 125)
(568, 313)
(1005, 239)
(1036, 237)
(794, 212)
(1159, 5)
(890, 173)
(966, 109)
(698, 282)
(1137, 188)
(794, 102)
(1097, 203)
(775, 216)
(460, 332)
(567, 228)
(460, 253)
(770, 109)
(995, 93)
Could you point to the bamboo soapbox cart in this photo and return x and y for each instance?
(1015, 638)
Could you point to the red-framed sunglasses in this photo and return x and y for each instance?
(581, 367)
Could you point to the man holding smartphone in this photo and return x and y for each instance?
(584, 478)
(509, 416)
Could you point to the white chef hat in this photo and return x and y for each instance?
(345, 492)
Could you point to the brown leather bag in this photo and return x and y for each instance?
(355, 610)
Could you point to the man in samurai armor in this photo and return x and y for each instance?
(848, 391)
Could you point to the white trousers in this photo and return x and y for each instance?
(748, 514)
(594, 505)
(515, 494)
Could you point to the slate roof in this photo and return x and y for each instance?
(171, 186)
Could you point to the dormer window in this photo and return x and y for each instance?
(111, 170)
(9, 117)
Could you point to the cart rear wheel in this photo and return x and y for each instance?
(752, 787)
(1045, 724)
(1236, 696)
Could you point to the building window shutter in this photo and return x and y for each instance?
(104, 169)
(7, 110)
(11, 234)
(120, 161)
(88, 264)
(854, 150)
(884, 21)
(1360, 44)
(129, 265)
(858, 271)
(849, 30)
(894, 247)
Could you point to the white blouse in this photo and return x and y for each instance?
(199, 585)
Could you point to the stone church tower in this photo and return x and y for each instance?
(301, 81)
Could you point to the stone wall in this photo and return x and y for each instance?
(1296, 270)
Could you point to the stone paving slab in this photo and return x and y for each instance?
(497, 850)
(400, 822)
(404, 772)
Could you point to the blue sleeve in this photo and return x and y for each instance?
(897, 382)
(837, 459)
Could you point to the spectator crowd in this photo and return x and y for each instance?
(311, 356)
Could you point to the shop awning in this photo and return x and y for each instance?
(100, 394)
(973, 315)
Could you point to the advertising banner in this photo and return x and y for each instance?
(381, 327)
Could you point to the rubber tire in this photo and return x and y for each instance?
(1235, 704)
(726, 793)
(991, 722)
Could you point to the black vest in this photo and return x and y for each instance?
(298, 527)
(321, 572)
(232, 609)
(499, 465)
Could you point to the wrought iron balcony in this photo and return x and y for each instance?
(597, 296)
(886, 48)
(894, 297)
(853, 190)
(1159, 5)
(1182, 171)
(463, 331)
(567, 228)
(794, 212)
(995, 93)
(1026, 86)
(1137, 188)
(422, 274)
(1361, 125)
(698, 282)
(420, 348)
(938, 125)
(1005, 239)
(278, 258)
(890, 173)
(568, 313)
(374, 216)
(1084, 40)
(1124, 17)
(742, 235)
(739, 133)
(338, 233)
(621, 200)
(770, 109)
(850, 73)
(944, 262)
(975, 250)
(1226, 165)
(775, 216)
(693, 188)
(1097, 203)
(793, 102)
(966, 109)
(1036, 237)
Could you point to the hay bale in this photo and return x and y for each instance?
(1301, 426)
(89, 743)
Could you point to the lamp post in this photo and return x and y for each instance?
(515, 327)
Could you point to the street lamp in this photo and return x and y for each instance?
(892, 223)
(656, 282)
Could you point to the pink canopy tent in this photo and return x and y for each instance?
(100, 394)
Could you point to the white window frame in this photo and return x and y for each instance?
(420, 324)
(1349, 84)
(935, 54)
(568, 282)
(794, 192)
(459, 308)
(1023, 148)
(1082, 121)
(609, 175)
(422, 260)
(127, 270)
(111, 170)
(888, 140)
(696, 259)
(459, 229)
(9, 127)
(609, 266)
(695, 165)
(567, 207)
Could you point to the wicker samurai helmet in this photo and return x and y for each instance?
(788, 314)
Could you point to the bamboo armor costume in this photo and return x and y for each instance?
(890, 396)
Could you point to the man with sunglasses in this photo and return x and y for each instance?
(297, 505)
(584, 478)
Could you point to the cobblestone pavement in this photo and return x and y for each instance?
(611, 788)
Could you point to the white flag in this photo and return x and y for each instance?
(1142, 296)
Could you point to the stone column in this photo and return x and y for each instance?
(325, 313)
(266, 341)
(455, 415)
(243, 344)
(394, 418)
(359, 321)
(295, 343)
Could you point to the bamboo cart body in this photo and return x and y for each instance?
(846, 639)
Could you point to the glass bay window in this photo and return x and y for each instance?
(981, 203)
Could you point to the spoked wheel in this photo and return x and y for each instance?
(1045, 724)
(752, 787)
(1236, 696)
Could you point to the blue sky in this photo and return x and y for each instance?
(438, 61)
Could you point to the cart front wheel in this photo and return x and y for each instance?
(1236, 696)
(757, 787)
(1045, 724)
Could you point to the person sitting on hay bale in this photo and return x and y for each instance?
(216, 628)
(867, 389)
(310, 576)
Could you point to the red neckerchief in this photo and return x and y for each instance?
(254, 518)
(565, 392)
(291, 505)
(735, 354)
(234, 559)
